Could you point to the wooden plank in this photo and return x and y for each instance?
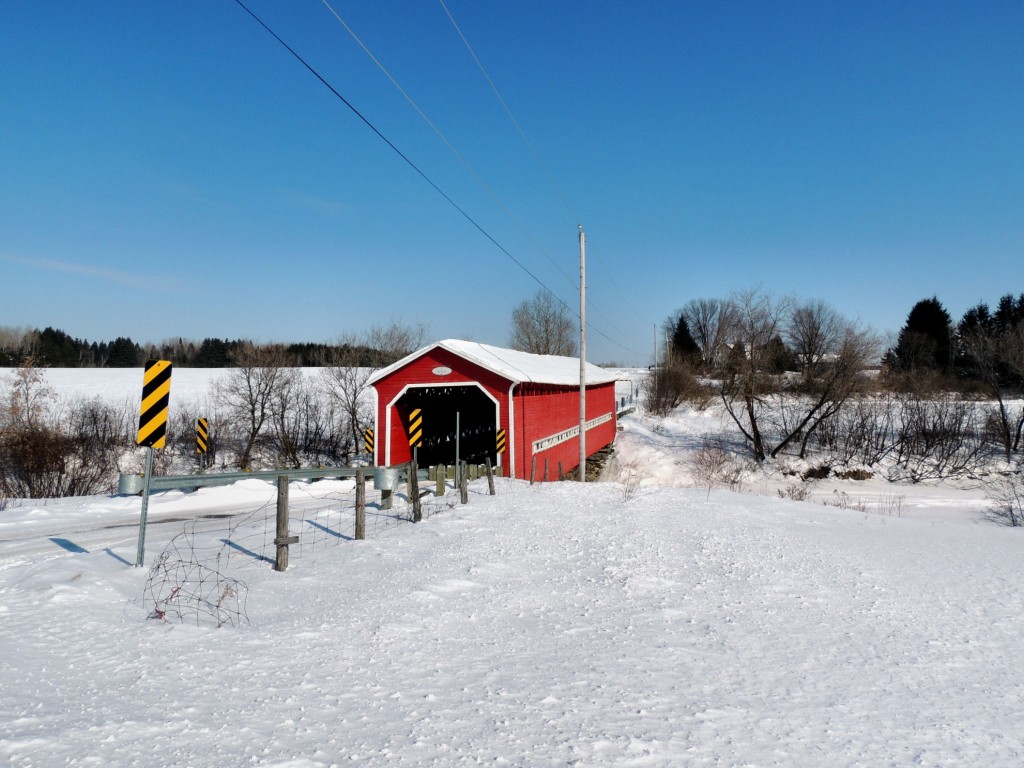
(360, 533)
(282, 539)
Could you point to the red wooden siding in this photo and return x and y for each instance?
(539, 411)
(543, 410)
(419, 372)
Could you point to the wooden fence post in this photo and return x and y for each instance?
(283, 539)
(442, 476)
(533, 469)
(464, 485)
(545, 470)
(360, 504)
(414, 492)
(490, 475)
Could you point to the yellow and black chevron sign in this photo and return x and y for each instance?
(156, 396)
(202, 436)
(415, 428)
(500, 441)
(368, 439)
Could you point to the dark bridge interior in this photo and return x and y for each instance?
(440, 407)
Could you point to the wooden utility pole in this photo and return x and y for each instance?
(583, 355)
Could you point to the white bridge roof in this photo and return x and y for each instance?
(517, 367)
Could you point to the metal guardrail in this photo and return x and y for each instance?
(130, 485)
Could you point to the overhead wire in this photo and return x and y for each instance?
(408, 161)
(549, 177)
(401, 154)
(508, 111)
(469, 167)
(466, 164)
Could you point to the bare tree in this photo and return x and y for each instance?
(832, 380)
(1007, 495)
(543, 326)
(709, 321)
(250, 392)
(49, 450)
(286, 402)
(814, 333)
(770, 413)
(345, 381)
(997, 360)
(756, 319)
(29, 398)
(395, 341)
(350, 366)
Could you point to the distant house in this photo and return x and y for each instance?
(465, 396)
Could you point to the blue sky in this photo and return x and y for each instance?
(171, 170)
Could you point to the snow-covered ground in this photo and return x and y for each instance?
(651, 622)
(660, 453)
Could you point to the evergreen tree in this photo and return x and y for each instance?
(57, 350)
(976, 322)
(683, 344)
(213, 353)
(1009, 312)
(123, 353)
(778, 357)
(977, 318)
(926, 341)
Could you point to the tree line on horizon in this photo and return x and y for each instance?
(54, 348)
(793, 374)
(930, 346)
(263, 413)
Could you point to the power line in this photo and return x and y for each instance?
(416, 168)
(512, 117)
(552, 182)
(466, 164)
(395, 149)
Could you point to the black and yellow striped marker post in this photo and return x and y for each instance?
(156, 398)
(202, 440)
(415, 432)
(500, 441)
(202, 436)
(368, 440)
(415, 427)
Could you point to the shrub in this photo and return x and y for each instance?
(669, 386)
(1007, 497)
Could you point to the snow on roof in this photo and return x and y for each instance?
(511, 364)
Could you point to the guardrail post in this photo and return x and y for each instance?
(442, 477)
(414, 492)
(490, 475)
(283, 539)
(360, 533)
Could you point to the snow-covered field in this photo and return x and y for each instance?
(644, 623)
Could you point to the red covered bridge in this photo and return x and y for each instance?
(534, 399)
